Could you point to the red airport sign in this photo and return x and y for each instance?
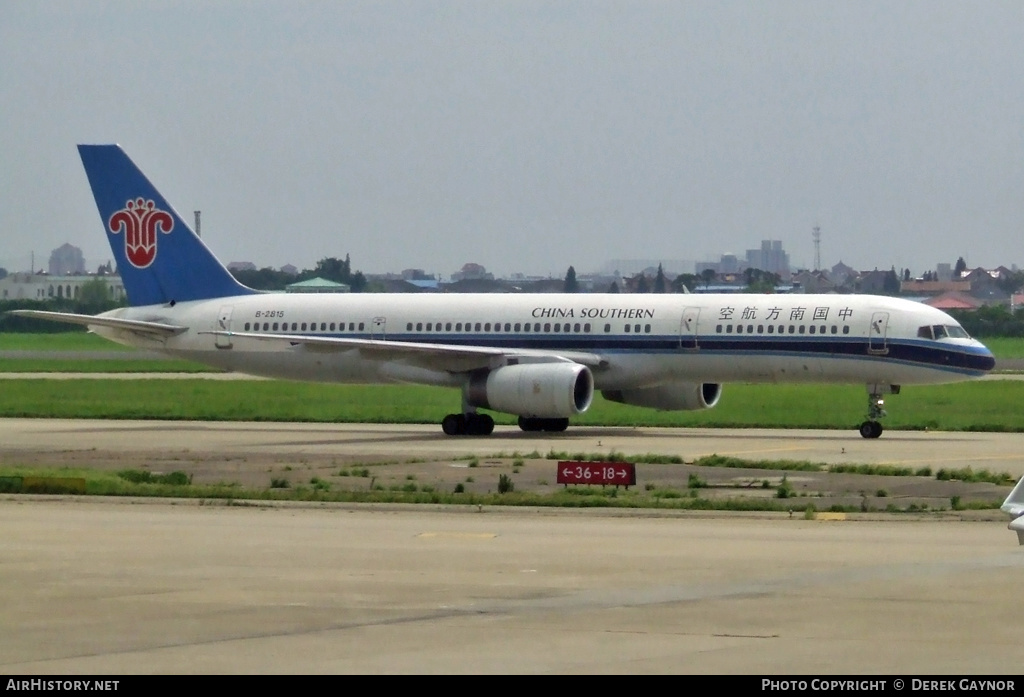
(612, 473)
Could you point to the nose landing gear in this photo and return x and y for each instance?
(871, 428)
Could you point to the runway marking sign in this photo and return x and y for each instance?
(611, 473)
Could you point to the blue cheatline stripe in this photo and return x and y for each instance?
(966, 359)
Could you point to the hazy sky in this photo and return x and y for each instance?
(525, 136)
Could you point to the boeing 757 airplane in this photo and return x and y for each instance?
(538, 356)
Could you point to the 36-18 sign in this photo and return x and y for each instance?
(613, 473)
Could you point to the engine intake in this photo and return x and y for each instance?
(680, 396)
(544, 390)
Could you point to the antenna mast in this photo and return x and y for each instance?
(817, 247)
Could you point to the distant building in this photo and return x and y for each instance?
(770, 257)
(37, 286)
(472, 272)
(317, 285)
(66, 260)
(290, 270)
(242, 266)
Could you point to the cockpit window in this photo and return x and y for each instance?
(942, 331)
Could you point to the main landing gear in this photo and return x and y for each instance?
(473, 424)
(871, 428)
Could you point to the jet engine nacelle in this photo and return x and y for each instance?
(543, 390)
(680, 396)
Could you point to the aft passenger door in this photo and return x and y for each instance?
(378, 328)
(878, 333)
(223, 325)
(688, 329)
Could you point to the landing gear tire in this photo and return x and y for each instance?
(534, 424)
(871, 429)
(453, 424)
(467, 425)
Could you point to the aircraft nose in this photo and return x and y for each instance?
(984, 360)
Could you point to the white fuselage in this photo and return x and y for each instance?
(644, 339)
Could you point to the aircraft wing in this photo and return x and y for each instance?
(454, 359)
(154, 329)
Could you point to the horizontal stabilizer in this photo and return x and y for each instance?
(1014, 506)
(152, 328)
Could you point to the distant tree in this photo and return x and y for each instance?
(613, 288)
(708, 275)
(660, 283)
(689, 281)
(642, 286)
(3, 272)
(94, 297)
(759, 281)
(570, 285)
(357, 282)
(264, 279)
(960, 267)
(334, 269)
(906, 274)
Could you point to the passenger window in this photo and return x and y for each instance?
(846, 329)
(508, 327)
(419, 326)
(517, 327)
(739, 329)
(477, 326)
(647, 329)
(801, 329)
(275, 326)
(834, 329)
(760, 329)
(526, 327)
(607, 328)
(728, 329)
(586, 327)
(576, 327)
(626, 329)
(332, 326)
(323, 326)
(718, 329)
(547, 326)
(303, 327)
(536, 327)
(362, 325)
(448, 326)
(246, 326)
(812, 329)
(487, 327)
(266, 326)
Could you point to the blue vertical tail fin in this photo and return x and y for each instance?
(159, 258)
